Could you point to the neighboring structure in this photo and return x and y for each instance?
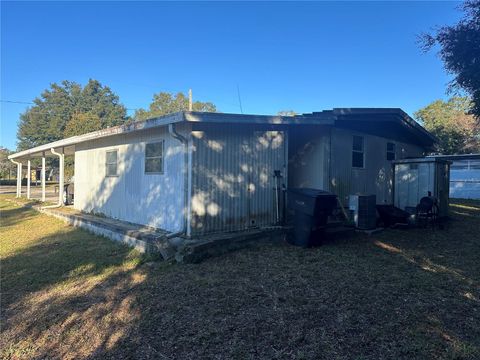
(197, 173)
(421, 177)
(464, 175)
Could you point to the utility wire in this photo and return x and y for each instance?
(31, 103)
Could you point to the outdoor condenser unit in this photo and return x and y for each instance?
(364, 211)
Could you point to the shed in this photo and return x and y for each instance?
(417, 178)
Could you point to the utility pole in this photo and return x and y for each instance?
(190, 101)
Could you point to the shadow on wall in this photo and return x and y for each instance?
(153, 199)
(233, 183)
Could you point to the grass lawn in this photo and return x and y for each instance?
(398, 294)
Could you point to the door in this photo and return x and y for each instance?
(267, 179)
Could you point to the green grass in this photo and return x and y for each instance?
(396, 295)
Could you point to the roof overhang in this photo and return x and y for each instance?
(457, 157)
(389, 122)
(68, 144)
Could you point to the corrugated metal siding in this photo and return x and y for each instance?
(308, 159)
(335, 165)
(232, 181)
(154, 199)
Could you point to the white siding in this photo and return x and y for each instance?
(465, 179)
(151, 199)
(414, 180)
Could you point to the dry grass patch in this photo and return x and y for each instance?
(397, 295)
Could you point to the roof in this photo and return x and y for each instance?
(391, 123)
(457, 157)
(380, 121)
(421, 160)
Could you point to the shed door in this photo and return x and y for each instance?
(268, 154)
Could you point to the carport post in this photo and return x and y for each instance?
(43, 176)
(19, 177)
(61, 159)
(19, 180)
(28, 178)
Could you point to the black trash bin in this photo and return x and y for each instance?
(311, 209)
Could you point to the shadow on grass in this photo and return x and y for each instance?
(10, 216)
(401, 294)
(54, 259)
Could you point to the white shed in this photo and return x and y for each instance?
(417, 178)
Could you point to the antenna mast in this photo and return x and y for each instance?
(239, 99)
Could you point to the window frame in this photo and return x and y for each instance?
(394, 151)
(162, 158)
(111, 163)
(358, 151)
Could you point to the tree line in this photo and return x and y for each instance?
(69, 109)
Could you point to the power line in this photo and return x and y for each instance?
(17, 102)
(31, 103)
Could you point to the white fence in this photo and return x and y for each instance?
(465, 179)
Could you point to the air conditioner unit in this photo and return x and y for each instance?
(364, 211)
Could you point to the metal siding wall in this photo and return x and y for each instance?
(154, 200)
(376, 177)
(227, 160)
(308, 158)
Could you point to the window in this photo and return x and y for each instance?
(154, 158)
(111, 163)
(390, 151)
(357, 152)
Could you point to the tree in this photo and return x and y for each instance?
(456, 130)
(165, 103)
(82, 123)
(460, 51)
(287, 113)
(47, 119)
(6, 166)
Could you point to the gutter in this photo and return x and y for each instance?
(173, 132)
(60, 182)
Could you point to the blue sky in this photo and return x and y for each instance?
(300, 56)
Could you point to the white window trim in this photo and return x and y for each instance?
(154, 157)
(106, 164)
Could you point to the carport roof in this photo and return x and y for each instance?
(387, 122)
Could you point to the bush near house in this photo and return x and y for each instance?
(398, 294)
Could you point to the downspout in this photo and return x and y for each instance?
(173, 132)
(19, 176)
(60, 182)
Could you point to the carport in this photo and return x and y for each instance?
(24, 158)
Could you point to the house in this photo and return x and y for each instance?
(197, 173)
(464, 175)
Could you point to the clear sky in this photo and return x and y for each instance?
(300, 56)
